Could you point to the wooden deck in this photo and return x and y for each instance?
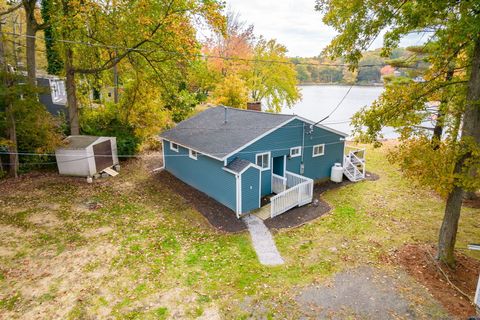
(263, 212)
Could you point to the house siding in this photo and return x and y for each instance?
(279, 142)
(320, 167)
(250, 192)
(205, 174)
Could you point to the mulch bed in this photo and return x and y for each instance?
(224, 219)
(216, 213)
(300, 215)
(417, 260)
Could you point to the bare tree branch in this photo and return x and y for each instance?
(11, 9)
(117, 58)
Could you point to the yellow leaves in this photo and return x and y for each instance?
(231, 92)
(424, 165)
(144, 20)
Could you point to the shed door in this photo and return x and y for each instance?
(103, 155)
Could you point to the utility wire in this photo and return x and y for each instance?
(200, 55)
(140, 156)
(349, 89)
(255, 127)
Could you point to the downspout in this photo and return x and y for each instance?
(302, 166)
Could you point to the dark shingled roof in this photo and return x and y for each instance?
(238, 165)
(208, 133)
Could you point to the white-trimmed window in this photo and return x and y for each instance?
(173, 146)
(263, 160)
(193, 154)
(295, 152)
(318, 150)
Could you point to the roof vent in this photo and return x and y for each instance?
(225, 109)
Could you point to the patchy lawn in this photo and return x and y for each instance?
(130, 248)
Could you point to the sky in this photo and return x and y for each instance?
(295, 24)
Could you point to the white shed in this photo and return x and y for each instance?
(84, 156)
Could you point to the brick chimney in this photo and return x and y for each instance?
(256, 106)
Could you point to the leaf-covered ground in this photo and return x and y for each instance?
(128, 248)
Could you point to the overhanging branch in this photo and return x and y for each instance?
(11, 9)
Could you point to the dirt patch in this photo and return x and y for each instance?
(44, 219)
(178, 303)
(13, 235)
(50, 285)
(152, 160)
(301, 215)
(417, 260)
(217, 214)
(364, 292)
(97, 232)
(5, 252)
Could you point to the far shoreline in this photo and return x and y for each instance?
(311, 84)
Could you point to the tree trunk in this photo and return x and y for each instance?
(12, 148)
(448, 231)
(71, 93)
(438, 130)
(10, 118)
(1, 167)
(31, 31)
(470, 129)
(31, 61)
(115, 83)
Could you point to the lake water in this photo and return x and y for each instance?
(319, 100)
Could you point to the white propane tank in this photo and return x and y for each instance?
(337, 173)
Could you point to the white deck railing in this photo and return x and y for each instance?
(279, 183)
(298, 193)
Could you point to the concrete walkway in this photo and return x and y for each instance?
(262, 241)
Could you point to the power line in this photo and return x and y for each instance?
(337, 106)
(349, 89)
(140, 156)
(201, 55)
(243, 128)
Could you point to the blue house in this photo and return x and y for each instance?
(239, 156)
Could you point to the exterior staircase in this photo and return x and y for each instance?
(354, 165)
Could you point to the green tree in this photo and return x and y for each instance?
(54, 62)
(95, 37)
(330, 74)
(275, 81)
(453, 166)
(369, 70)
(231, 92)
(302, 73)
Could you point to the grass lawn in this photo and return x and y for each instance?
(128, 248)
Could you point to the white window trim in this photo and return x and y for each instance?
(172, 147)
(319, 154)
(299, 154)
(269, 159)
(190, 154)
